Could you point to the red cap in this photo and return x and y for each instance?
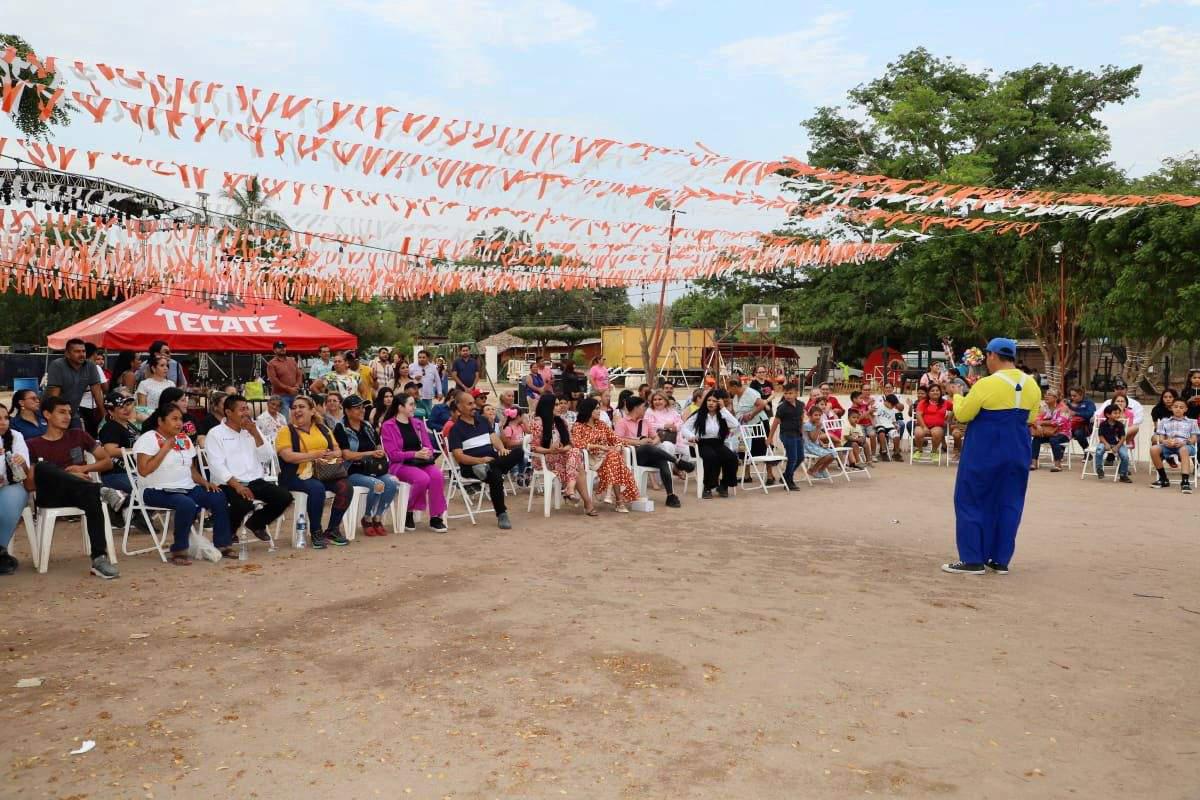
(476, 392)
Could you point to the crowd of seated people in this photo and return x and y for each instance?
(379, 426)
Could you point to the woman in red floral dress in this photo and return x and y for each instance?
(602, 444)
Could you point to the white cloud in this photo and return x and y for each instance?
(1163, 121)
(814, 59)
(467, 33)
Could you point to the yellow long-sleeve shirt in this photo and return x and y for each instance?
(993, 393)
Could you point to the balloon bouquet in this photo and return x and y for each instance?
(973, 358)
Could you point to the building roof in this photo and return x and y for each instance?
(505, 340)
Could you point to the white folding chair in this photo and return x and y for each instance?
(459, 483)
(137, 505)
(542, 474)
(926, 452)
(749, 434)
(640, 474)
(1046, 454)
(693, 449)
(840, 451)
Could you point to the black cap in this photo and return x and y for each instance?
(280, 343)
(1119, 383)
(117, 398)
(353, 401)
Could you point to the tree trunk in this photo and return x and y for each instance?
(1140, 356)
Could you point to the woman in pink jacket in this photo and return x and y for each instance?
(410, 451)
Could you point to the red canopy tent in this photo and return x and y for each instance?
(189, 325)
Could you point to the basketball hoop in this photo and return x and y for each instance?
(761, 319)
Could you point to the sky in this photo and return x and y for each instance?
(736, 77)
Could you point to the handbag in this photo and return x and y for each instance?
(371, 465)
(324, 469)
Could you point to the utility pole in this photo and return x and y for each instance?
(662, 204)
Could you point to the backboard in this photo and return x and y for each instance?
(758, 318)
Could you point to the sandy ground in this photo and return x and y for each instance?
(758, 647)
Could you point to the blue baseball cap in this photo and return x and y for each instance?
(1002, 347)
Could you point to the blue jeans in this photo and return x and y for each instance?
(186, 506)
(315, 504)
(793, 446)
(12, 502)
(1122, 456)
(1057, 444)
(286, 401)
(377, 502)
(116, 480)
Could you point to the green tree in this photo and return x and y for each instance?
(931, 118)
(27, 116)
(1037, 127)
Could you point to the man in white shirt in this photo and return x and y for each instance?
(426, 373)
(236, 452)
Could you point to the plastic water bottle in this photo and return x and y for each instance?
(244, 553)
(301, 540)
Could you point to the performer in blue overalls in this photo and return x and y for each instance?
(993, 471)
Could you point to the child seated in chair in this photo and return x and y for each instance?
(888, 416)
(866, 421)
(1110, 436)
(854, 438)
(817, 444)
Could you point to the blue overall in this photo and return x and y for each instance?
(989, 492)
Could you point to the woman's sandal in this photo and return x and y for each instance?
(180, 559)
(591, 512)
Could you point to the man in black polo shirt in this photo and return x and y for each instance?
(480, 453)
(789, 422)
(73, 376)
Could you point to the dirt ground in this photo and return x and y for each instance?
(789, 646)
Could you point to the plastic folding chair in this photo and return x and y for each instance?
(840, 451)
(137, 505)
(748, 434)
(459, 484)
(640, 474)
(550, 485)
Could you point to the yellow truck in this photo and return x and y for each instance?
(683, 349)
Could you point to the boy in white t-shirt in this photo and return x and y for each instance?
(886, 427)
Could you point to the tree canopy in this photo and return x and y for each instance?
(1133, 279)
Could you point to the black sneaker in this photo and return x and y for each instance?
(706, 495)
(319, 542)
(791, 485)
(686, 466)
(410, 524)
(437, 525)
(1185, 487)
(1100, 474)
(261, 534)
(770, 481)
(1109, 460)
(8, 564)
(673, 501)
(959, 568)
(999, 569)
(722, 491)
(1161, 483)
(1125, 479)
(336, 538)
